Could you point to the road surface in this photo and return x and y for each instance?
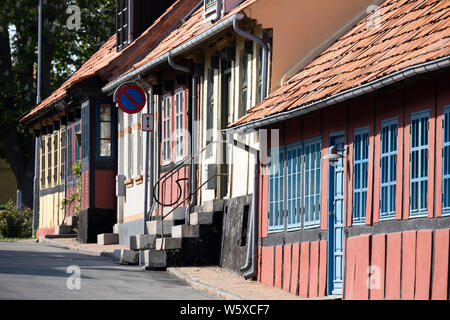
(35, 271)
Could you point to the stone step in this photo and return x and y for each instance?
(142, 241)
(168, 243)
(63, 229)
(215, 205)
(72, 221)
(108, 238)
(185, 231)
(177, 214)
(154, 227)
(129, 257)
(198, 218)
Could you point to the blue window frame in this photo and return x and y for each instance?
(418, 160)
(313, 151)
(276, 190)
(85, 130)
(294, 186)
(77, 146)
(360, 172)
(446, 162)
(388, 168)
(105, 131)
(69, 152)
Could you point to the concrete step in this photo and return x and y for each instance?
(142, 241)
(154, 227)
(198, 218)
(63, 229)
(129, 257)
(215, 205)
(168, 243)
(185, 231)
(108, 238)
(177, 214)
(72, 221)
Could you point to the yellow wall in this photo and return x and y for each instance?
(8, 186)
(50, 212)
(302, 29)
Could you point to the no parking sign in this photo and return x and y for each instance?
(131, 99)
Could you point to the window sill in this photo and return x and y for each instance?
(387, 218)
(418, 215)
(275, 231)
(312, 226)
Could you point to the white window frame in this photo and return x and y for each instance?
(166, 127)
(179, 124)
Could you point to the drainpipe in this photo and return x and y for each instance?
(265, 54)
(193, 109)
(254, 225)
(218, 11)
(252, 234)
(148, 178)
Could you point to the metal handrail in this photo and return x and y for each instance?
(188, 197)
(172, 171)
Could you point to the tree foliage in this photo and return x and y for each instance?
(64, 49)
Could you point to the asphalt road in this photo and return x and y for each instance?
(35, 271)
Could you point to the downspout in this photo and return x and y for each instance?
(218, 11)
(252, 233)
(148, 178)
(192, 110)
(265, 53)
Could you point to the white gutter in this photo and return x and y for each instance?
(228, 22)
(395, 77)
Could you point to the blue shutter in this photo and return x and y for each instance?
(276, 190)
(360, 171)
(419, 163)
(69, 153)
(446, 163)
(77, 147)
(388, 168)
(312, 185)
(294, 192)
(85, 131)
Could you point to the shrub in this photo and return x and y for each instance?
(15, 223)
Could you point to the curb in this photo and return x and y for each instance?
(195, 284)
(54, 243)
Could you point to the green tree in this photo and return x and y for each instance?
(64, 49)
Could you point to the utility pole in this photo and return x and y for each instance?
(36, 139)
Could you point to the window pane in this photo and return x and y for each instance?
(105, 130)
(105, 148)
(105, 112)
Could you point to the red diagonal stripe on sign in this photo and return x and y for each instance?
(131, 99)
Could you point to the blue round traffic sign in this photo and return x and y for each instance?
(131, 99)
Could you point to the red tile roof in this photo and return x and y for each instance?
(105, 57)
(193, 27)
(410, 32)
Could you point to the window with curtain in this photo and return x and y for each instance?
(388, 168)
(360, 174)
(419, 163)
(105, 136)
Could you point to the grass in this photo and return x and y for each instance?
(13, 239)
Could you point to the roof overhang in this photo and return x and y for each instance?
(188, 45)
(366, 88)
